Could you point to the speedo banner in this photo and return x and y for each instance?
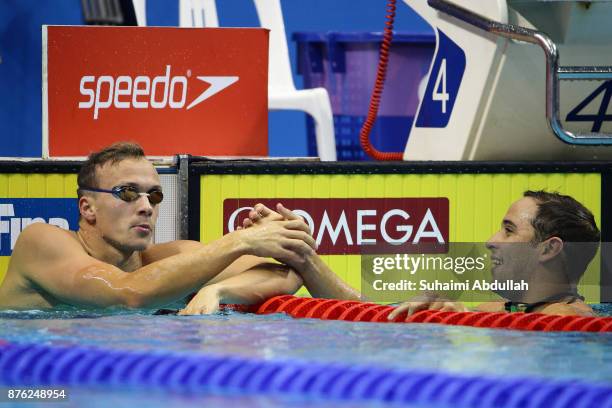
(357, 214)
(201, 91)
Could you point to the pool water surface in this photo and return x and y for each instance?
(585, 357)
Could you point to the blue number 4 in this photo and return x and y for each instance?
(600, 117)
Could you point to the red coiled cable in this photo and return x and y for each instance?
(331, 309)
(381, 74)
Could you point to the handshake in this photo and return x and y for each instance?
(279, 234)
(286, 237)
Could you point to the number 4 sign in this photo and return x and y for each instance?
(437, 95)
(601, 116)
(443, 85)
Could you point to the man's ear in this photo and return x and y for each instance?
(87, 209)
(550, 248)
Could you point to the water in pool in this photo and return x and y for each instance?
(451, 349)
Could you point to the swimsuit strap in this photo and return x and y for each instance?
(530, 307)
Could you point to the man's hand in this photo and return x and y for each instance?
(285, 240)
(206, 301)
(428, 304)
(261, 214)
(320, 281)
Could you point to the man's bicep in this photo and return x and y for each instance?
(57, 265)
(83, 282)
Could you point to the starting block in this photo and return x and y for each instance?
(515, 80)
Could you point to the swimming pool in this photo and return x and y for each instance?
(494, 353)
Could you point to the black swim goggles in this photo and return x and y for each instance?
(129, 193)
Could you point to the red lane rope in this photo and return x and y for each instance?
(354, 311)
(381, 74)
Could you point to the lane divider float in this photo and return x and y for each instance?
(354, 311)
(31, 365)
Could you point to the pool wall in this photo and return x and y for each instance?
(477, 194)
(468, 200)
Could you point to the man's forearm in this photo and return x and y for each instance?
(259, 284)
(174, 277)
(322, 282)
(252, 286)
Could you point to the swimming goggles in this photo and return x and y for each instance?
(129, 193)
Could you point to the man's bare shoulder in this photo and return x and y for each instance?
(40, 245)
(577, 308)
(491, 307)
(41, 239)
(38, 252)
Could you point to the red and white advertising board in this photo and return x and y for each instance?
(344, 226)
(202, 91)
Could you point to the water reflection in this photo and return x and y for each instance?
(587, 356)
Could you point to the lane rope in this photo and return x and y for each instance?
(354, 311)
(30, 365)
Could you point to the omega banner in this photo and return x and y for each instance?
(342, 226)
(201, 91)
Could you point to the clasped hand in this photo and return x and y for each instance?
(281, 235)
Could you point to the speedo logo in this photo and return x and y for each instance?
(143, 92)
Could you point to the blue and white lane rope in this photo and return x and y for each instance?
(30, 365)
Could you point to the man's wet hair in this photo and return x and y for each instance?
(562, 216)
(114, 153)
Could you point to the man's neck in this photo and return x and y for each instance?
(98, 247)
(548, 283)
